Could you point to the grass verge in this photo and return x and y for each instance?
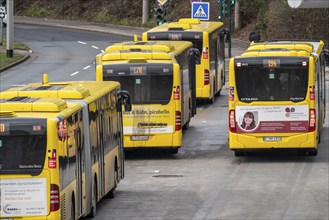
(6, 61)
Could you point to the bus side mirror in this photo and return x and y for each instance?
(124, 99)
(227, 35)
(326, 56)
(196, 54)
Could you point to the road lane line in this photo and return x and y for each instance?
(86, 67)
(95, 47)
(81, 42)
(76, 72)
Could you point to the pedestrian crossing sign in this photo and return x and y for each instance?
(200, 10)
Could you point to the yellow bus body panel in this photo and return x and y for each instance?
(150, 125)
(206, 28)
(301, 140)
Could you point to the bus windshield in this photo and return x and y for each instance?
(146, 83)
(258, 82)
(22, 146)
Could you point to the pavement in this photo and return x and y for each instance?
(238, 46)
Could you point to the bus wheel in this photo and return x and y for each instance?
(72, 214)
(112, 191)
(312, 152)
(238, 153)
(92, 214)
(186, 126)
(212, 99)
(173, 150)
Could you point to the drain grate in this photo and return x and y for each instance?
(168, 176)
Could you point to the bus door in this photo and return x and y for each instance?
(84, 154)
(87, 164)
(79, 163)
(99, 125)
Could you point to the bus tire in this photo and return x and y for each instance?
(312, 152)
(72, 213)
(173, 150)
(239, 153)
(112, 191)
(93, 211)
(212, 99)
(186, 126)
(319, 139)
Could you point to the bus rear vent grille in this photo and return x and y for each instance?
(17, 99)
(43, 88)
(7, 114)
(63, 207)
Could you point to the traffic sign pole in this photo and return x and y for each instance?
(229, 28)
(1, 31)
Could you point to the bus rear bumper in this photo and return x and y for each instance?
(155, 141)
(256, 141)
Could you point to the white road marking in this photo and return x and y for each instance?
(95, 47)
(17, 85)
(81, 42)
(86, 67)
(74, 73)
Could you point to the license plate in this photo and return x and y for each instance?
(139, 138)
(272, 139)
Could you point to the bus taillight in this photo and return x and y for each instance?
(312, 123)
(206, 77)
(54, 197)
(178, 121)
(205, 53)
(232, 121)
(177, 93)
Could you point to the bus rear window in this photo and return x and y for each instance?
(259, 83)
(22, 147)
(146, 83)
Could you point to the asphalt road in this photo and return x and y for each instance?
(64, 54)
(204, 180)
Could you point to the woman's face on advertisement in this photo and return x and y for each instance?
(248, 119)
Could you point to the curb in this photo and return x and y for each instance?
(15, 63)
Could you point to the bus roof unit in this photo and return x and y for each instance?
(188, 24)
(28, 104)
(143, 46)
(77, 90)
(309, 46)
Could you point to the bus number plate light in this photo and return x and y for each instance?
(272, 139)
(139, 138)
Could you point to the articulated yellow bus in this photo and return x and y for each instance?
(277, 97)
(208, 38)
(160, 77)
(61, 153)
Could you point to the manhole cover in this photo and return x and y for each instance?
(168, 176)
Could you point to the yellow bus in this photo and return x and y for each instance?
(208, 38)
(277, 97)
(61, 153)
(160, 78)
